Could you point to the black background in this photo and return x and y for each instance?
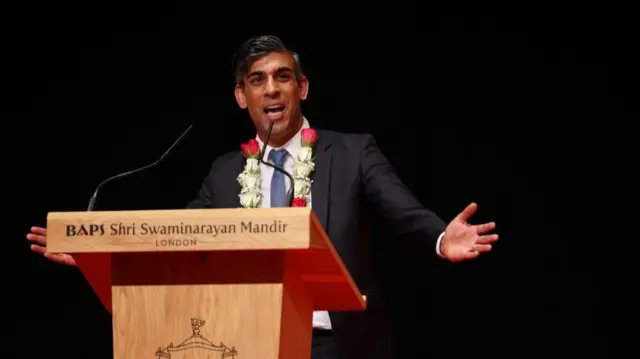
(519, 110)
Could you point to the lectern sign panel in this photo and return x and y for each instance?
(119, 231)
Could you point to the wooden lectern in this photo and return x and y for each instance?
(208, 283)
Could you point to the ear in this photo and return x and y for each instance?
(304, 87)
(240, 97)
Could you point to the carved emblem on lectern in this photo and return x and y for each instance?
(196, 346)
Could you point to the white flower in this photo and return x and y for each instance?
(302, 187)
(305, 154)
(249, 181)
(252, 166)
(302, 169)
(250, 199)
(250, 178)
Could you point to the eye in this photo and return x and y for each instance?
(284, 76)
(256, 80)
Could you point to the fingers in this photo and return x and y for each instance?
(42, 240)
(38, 249)
(468, 212)
(54, 257)
(481, 248)
(484, 228)
(38, 235)
(39, 230)
(487, 239)
(60, 258)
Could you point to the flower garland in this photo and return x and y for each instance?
(250, 179)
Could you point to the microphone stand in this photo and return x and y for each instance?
(92, 201)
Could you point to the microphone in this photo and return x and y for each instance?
(92, 201)
(281, 170)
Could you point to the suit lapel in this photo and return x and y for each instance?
(231, 188)
(320, 188)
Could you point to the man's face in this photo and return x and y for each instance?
(271, 93)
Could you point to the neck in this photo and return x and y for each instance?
(279, 138)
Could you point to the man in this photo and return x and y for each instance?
(350, 176)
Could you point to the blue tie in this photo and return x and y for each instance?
(278, 189)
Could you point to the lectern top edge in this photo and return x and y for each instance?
(188, 212)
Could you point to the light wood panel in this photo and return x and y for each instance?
(193, 305)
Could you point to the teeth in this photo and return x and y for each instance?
(274, 108)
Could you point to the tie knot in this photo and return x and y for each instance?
(278, 157)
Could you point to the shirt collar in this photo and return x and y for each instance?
(292, 146)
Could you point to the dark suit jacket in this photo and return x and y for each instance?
(351, 177)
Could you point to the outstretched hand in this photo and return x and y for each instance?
(38, 236)
(463, 241)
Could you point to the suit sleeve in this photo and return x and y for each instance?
(204, 198)
(395, 202)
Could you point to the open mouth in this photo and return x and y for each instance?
(274, 112)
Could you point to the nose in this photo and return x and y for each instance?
(271, 87)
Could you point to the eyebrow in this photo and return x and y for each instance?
(278, 70)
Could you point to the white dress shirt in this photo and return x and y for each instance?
(320, 318)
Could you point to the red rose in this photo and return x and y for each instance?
(250, 149)
(299, 202)
(309, 137)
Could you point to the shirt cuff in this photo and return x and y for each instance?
(438, 245)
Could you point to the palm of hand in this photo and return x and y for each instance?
(463, 241)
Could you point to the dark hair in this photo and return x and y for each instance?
(257, 47)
